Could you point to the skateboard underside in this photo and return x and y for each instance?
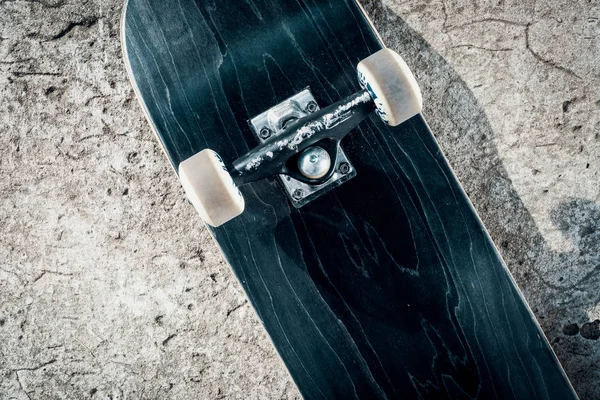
(387, 286)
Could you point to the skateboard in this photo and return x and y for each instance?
(297, 135)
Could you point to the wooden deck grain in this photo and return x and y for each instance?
(387, 287)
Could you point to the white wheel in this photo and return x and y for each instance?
(210, 189)
(392, 86)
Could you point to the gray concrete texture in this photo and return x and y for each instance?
(110, 286)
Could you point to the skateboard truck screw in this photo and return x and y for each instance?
(344, 168)
(264, 133)
(298, 194)
(311, 107)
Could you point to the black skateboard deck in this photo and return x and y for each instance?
(388, 286)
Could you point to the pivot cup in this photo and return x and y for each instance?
(314, 162)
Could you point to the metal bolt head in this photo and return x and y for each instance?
(314, 162)
(264, 133)
(344, 168)
(311, 107)
(298, 194)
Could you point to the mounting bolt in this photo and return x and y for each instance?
(311, 107)
(298, 194)
(265, 133)
(344, 168)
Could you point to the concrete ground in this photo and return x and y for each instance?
(110, 286)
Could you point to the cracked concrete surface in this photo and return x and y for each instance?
(110, 287)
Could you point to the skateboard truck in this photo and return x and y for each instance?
(301, 143)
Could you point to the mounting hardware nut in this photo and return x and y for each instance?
(344, 168)
(265, 133)
(298, 194)
(311, 107)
